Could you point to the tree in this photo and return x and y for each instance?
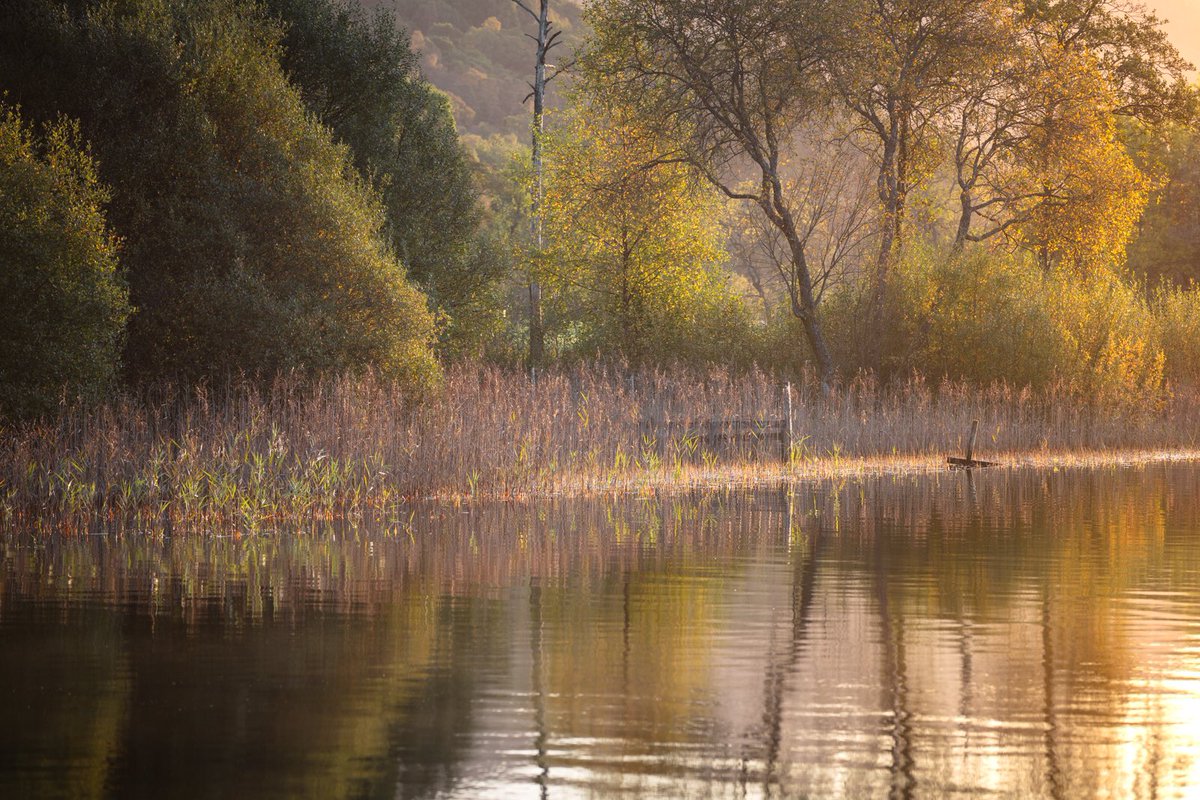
(831, 183)
(1067, 67)
(362, 79)
(250, 243)
(988, 125)
(898, 75)
(731, 83)
(1145, 70)
(545, 41)
(63, 302)
(1167, 246)
(1087, 194)
(638, 243)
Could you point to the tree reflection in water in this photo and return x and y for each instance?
(1014, 632)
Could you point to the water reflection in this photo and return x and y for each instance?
(1021, 634)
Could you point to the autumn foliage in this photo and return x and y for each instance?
(977, 191)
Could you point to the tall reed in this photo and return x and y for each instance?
(356, 446)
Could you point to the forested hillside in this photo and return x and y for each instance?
(476, 51)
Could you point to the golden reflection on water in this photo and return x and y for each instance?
(1023, 634)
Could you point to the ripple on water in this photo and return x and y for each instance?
(1018, 637)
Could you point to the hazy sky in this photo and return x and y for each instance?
(1184, 25)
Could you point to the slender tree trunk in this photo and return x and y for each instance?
(799, 283)
(627, 336)
(816, 339)
(876, 312)
(889, 198)
(893, 195)
(537, 336)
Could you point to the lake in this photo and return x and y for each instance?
(1012, 633)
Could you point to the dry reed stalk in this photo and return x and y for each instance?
(243, 455)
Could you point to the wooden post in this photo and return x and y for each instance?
(785, 433)
(969, 462)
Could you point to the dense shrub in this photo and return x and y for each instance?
(985, 316)
(250, 242)
(359, 74)
(63, 302)
(1177, 311)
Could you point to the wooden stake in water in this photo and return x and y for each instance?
(969, 461)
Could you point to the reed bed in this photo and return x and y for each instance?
(246, 456)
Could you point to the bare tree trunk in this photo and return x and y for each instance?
(537, 336)
(545, 41)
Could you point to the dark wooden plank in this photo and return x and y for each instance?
(969, 463)
(731, 427)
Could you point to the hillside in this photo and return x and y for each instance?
(476, 51)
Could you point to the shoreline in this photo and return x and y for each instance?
(171, 518)
(750, 476)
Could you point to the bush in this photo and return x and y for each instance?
(1110, 338)
(987, 316)
(981, 317)
(1177, 311)
(250, 243)
(359, 74)
(63, 302)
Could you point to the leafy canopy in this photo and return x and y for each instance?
(360, 76)
(63, 301)
(251, 243)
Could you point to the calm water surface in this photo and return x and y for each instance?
(1022, 634)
